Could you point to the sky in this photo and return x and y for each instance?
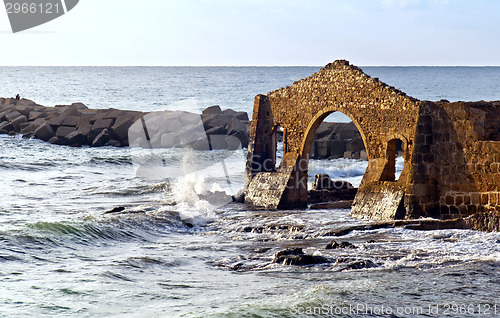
(258, 32)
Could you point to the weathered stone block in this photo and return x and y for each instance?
(121, 127)
(64, 131)
(44, 132)
(6, 126)
(212, 110)
(79, 106)
(76, 138)
(34, 115)
(71, 121)
(12, 115)
(101, 139)
(16, 122)
(84, 127)
(103, 124)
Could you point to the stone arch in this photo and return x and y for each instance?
(376, 109)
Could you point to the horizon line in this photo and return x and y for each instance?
(94, 65)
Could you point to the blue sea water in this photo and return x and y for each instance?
(62, 255)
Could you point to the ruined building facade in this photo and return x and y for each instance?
(451, 150)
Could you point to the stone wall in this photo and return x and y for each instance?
(458, 159)
(451, 150)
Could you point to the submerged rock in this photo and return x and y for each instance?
(361, 265)
(335, 245)
(115, 210)
(295, 256)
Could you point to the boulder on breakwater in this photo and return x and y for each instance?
(77, 125)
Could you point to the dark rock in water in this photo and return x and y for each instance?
(28, 129)
(335, 245)
(121, 126)
(332, 245)
(117, 209)
(58, 141)
(101, 139)
(301, 260)
(346, 245)
(239, 197)
(361, 265)
(289, 251)
(188, 224)
(324, 190)
(322, 181)
(44, 132)
(295, 256)
(76, 138)
(7, 126)
(113, 143)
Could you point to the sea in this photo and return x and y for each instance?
(171, 252)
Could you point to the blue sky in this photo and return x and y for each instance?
(257, 32)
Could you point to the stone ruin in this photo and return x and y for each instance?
(451, 150)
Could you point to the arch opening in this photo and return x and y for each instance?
(337, 160)
(395, 160)
(277, 142)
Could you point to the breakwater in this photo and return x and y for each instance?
(77, 125)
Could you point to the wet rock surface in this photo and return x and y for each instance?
(295, 256)
(335, 245)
